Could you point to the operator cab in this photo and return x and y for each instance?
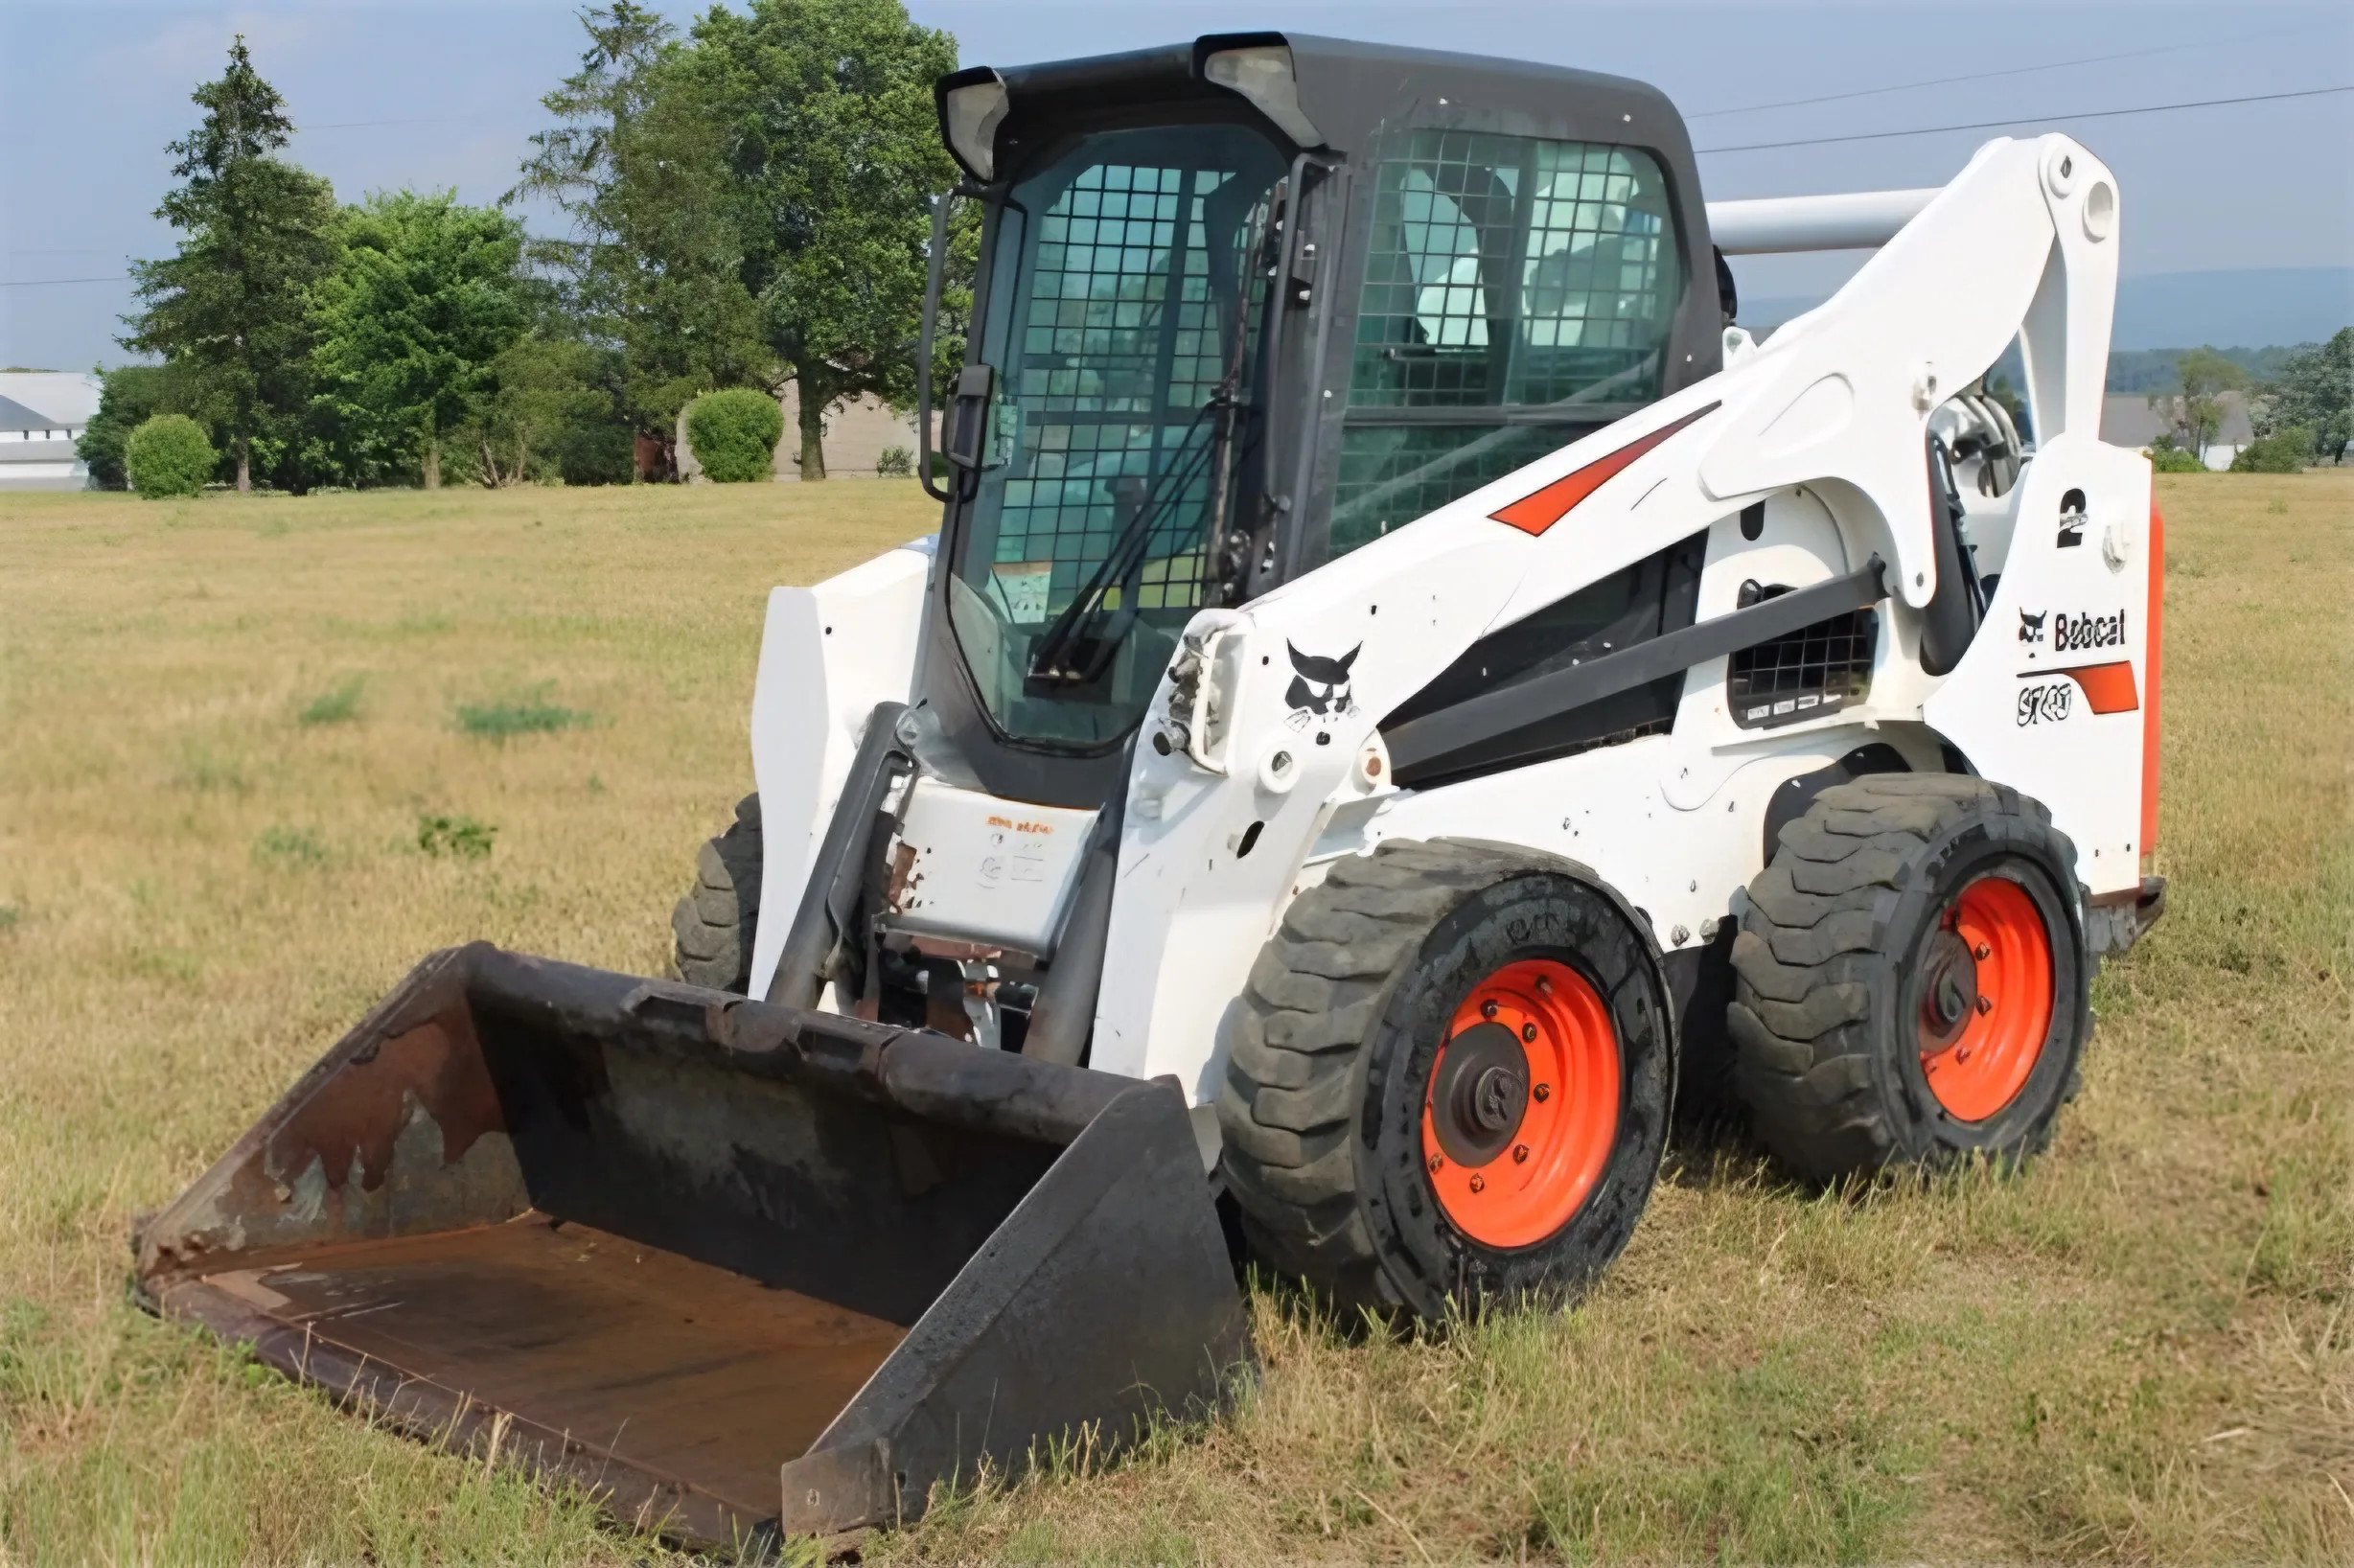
(1243, 305)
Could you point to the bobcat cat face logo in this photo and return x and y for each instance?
(2031, 627)
(1321, 686)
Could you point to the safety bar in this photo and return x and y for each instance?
(1851, 221)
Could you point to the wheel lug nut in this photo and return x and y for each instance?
(1544, 986)
(1986, 1005)
(1434, 1163)
(1982, 952)
(1528, 1031)
(1520, 1154)
(1487, 1010)
(1479, 1184)
(1542, 1092)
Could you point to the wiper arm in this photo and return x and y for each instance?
(1075, 650)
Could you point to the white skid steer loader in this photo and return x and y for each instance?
(1402, 681)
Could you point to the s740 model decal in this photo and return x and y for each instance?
(2108, 689)
(2046, 702)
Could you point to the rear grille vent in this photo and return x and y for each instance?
(1804, 675)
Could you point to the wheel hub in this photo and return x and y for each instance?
(1481, 1094)
(1987, 998)
(1521, 1113)
(1949, 990)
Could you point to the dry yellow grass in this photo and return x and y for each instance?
(2140, 1349)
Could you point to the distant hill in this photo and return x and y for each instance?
(2280, 304)
(2152, 370)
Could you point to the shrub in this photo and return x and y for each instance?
(169, 456)
(2283, 451)
(894, 463)
(734, 434)
(2165, 457)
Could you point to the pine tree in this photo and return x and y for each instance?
(258, 233)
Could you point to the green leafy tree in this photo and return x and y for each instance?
(258, 233)
(428, 296)
(2314, 392)
(2195, 411)
(825, 120)
(541, 394)
(169, 456)
(734, 434)
(650, 266)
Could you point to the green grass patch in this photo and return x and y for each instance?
(289, 844)
(460, 837)
(339, 705)
(530, 715)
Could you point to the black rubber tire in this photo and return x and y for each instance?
(713, 926)
(1827, 980)
(1346, 1008)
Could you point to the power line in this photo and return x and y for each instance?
(1942, 82)
(2027, 119)
(44, 282)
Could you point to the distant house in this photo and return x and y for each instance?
(2128, 420)
(42, 414)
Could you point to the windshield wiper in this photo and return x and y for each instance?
(1077, 648)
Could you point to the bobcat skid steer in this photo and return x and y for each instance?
(1400, 680)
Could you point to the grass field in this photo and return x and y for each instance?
(258, 755)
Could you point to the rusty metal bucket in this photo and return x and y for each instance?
(742, 1270)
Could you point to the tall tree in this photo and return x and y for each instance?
(258, 233)
(825, 119)
(2203, 375)
(650, 266)
(429, 293)
(2315, 392)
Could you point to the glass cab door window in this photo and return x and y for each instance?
(1123, 328)
(1516, 289)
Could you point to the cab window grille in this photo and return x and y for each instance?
(1505, 273)
(1813, 671)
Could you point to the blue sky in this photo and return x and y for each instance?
(431, 95)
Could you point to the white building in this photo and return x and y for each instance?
(2136, 419)
(42, 414)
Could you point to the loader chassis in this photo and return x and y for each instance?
(1405, 695)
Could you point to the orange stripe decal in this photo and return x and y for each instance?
(2108, 688)
(1535, 512)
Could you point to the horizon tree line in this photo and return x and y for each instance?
(747, 202)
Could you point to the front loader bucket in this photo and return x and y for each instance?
(740, 1269)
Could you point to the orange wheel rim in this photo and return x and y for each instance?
(1986, 1002)
(1522, 1109)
